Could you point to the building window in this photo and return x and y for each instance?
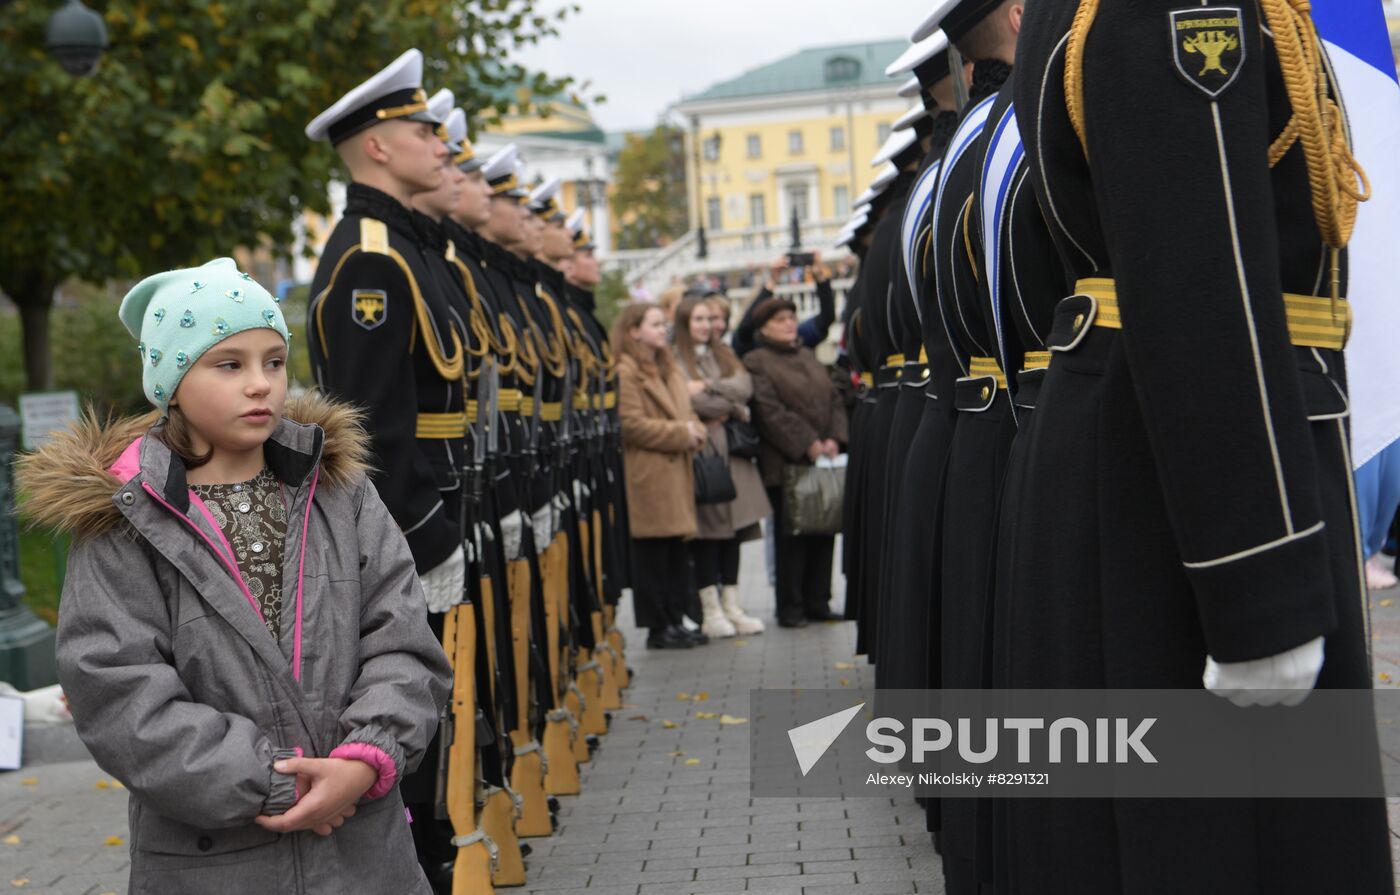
(797, 200)
(757, 216)
(712, 149)
(755, 146)
(794, 142)
(713, 215)
(840, 68)
(841, 200)
(882, 133)
(838, 139)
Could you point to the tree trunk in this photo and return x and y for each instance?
(38, 358)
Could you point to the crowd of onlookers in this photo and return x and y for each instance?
(710, 418)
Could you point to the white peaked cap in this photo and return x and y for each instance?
(885, 177)
(394, 92)
(456, 126)
(918, 53)
(546, 191)
(934, 19)
(440, 104)
(908, 119)
(898, 141)
(502, 162)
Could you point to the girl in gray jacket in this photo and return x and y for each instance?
(242, 635)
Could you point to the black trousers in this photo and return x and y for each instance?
(804, 565)
(661, 584)
(716, 562)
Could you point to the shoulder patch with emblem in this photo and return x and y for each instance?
(369, 307)
(1208, 46)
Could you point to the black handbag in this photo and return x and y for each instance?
(742, 438)
(713, 484)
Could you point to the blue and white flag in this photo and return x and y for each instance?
(1358, 45)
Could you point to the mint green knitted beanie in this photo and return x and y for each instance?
(180, 314)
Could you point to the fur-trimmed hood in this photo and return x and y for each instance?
(68, 484)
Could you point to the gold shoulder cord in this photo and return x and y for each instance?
(526, 361)
(967, 237)
(374, 238)
(547, 352)
(556, 349)
(1337, 180)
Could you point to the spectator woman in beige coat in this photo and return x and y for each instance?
(660, 432)
(720, 389)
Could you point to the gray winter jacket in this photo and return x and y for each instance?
(179, 689)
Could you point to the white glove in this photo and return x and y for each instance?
(1283, 679)
(442, 586)
(512, 532)
(581, 493)
(542, 522)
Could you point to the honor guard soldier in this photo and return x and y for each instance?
(903, 630)
(540, 761)
(583, 275)
(967, 276)
(381, 336)
(1184, 513)
(490, 812)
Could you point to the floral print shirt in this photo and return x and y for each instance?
(253, 516)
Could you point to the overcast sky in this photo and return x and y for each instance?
(645, 54)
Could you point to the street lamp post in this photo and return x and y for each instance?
(77, 38)
(26, 643)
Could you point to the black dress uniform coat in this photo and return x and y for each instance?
(877, 308)
(863, 367)
(905, 642)
(1185, 487)
(382, 337)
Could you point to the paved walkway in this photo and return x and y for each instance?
(665, 808)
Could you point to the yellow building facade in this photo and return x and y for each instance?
(796, 135)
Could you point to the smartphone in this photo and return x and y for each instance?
(801, 259)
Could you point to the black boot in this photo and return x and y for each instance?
(669, 637)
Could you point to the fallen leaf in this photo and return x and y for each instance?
(11, 839)
(19, 883)
(117, 784)
(103, 784)
(844, 666)
(1387, 602)
(1383, 676)
(638, 718)
(677, 754)
(30, 781)
(741, 643)
(669, 725)
(845, 682)
(692, 761)
(629, 705)
(705, 716)
(112, 840)
(730, 719)
(683, 697)
(702, 696)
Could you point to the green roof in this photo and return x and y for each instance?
(815, 68)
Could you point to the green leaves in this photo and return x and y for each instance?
(648, 196)
(188, 140)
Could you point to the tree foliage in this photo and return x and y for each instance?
(648, 194)
(188, 141)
